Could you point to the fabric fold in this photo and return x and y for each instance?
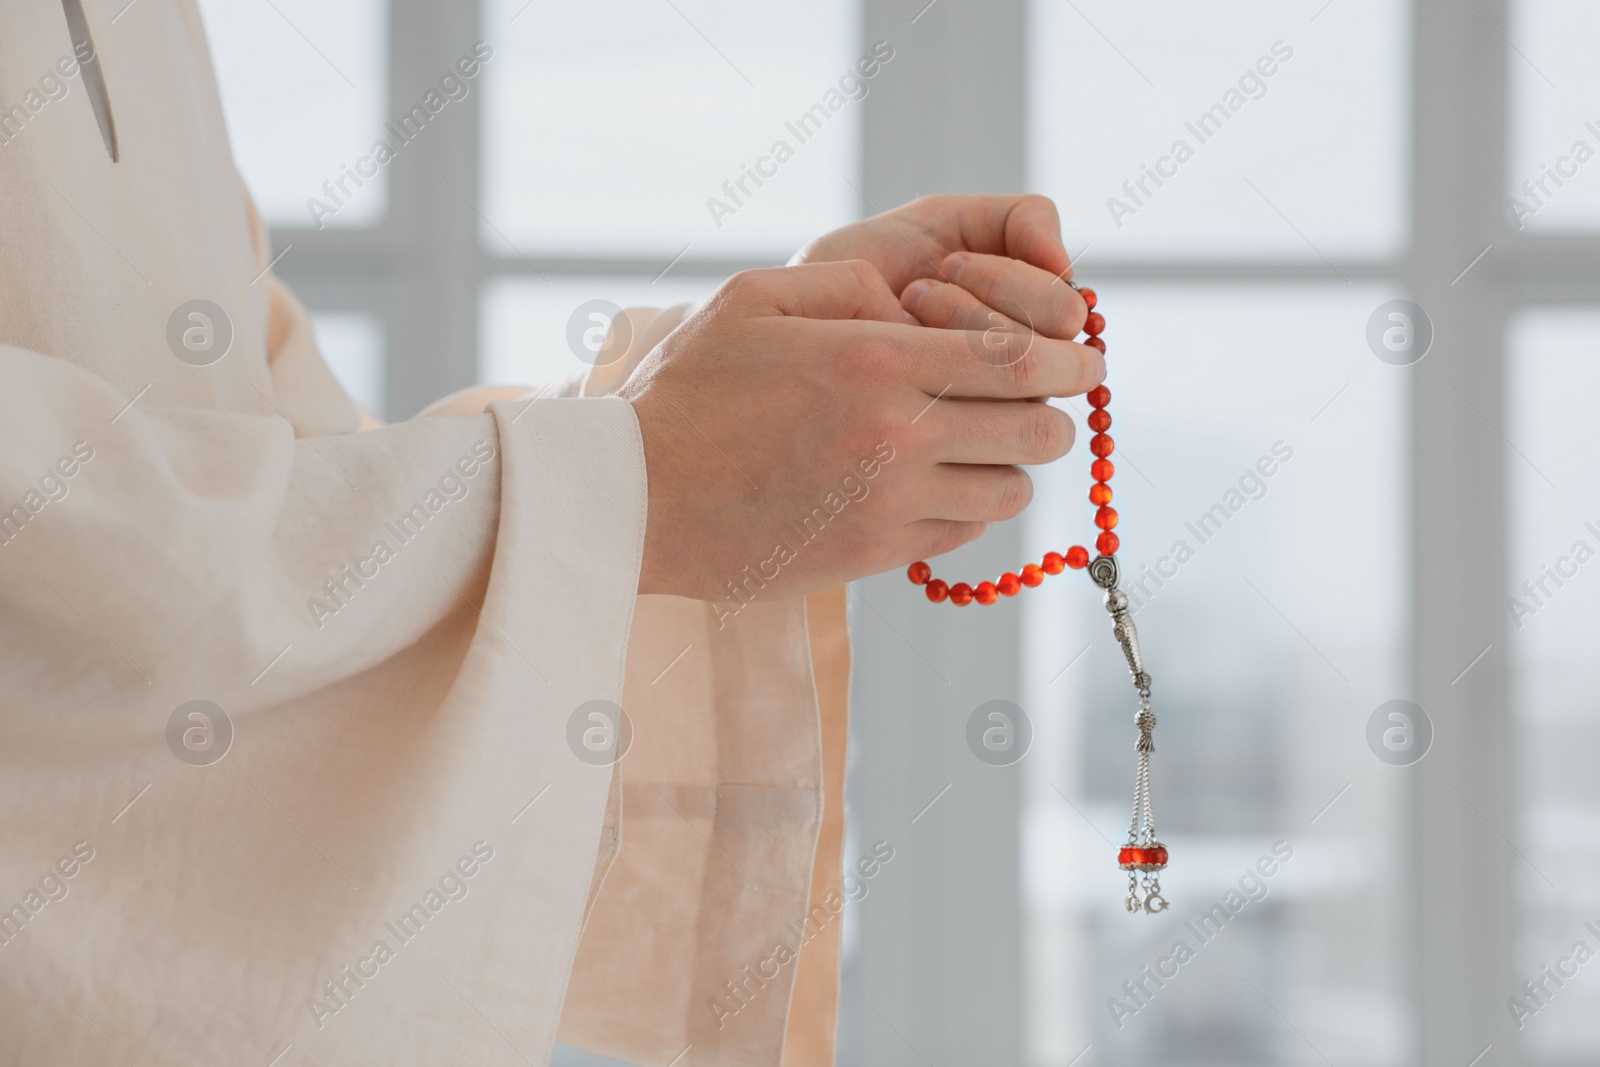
(732, 824)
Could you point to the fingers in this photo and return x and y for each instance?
(976, 493)
(849, 289)
(944, 306)
(971, 363)
(1024, 292)
(964, 363)
(950, 307)
(996, 432)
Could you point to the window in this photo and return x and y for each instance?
(1416, 538)
(304, 88)
(1553, 613)
(1553, 128)
(614, 123)
(1191, 137)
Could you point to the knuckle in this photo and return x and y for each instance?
(865, 424)
(1027, 372)
(1039, 200)
(920, 438)
(970, 265)
(878, 427)
(887, 359)
(1049, 433)
(1013, 494)
(867, 360)
(863, 271)
(937, 308)
(866, 277)
(745, 284)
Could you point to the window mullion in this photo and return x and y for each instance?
(432, 226)
(931, 970)
(1460, 891)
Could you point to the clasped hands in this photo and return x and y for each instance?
(866, 405)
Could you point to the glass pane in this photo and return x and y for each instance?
(1552, 179)
(353, 346)
(1553, 617)
(1274, 625)
(304, 87)
(523, 322)
(1169, 129)
(617, 125)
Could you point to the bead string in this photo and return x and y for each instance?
(1144, 857)
(1105, 517)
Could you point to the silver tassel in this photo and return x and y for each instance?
(1140, 857)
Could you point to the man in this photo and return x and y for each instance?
(312, 747)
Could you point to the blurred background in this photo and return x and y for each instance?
(1428, 533)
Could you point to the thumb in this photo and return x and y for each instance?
(1033, 234)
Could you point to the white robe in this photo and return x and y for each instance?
(400, 770)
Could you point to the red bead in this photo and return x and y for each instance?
(1077, 557)
(1107, 544)
(937, 591)
(919, 573)
(1101, 445)
(1099, 420)
(1098, 397)
(1095, 324)
(1101, 470)
(986, 593)
(1096, 343)
(1106, 518)
(1032, 575)
(1053, 562)
(1089, 299)
(1132, 857)
(1099, 493)
(961, 594)
(1009, 584)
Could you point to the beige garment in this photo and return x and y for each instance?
(393, 861)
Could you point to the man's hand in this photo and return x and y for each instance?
(792, 440)
(968, 262)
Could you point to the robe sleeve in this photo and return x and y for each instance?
(397, 623)
(221, 544)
